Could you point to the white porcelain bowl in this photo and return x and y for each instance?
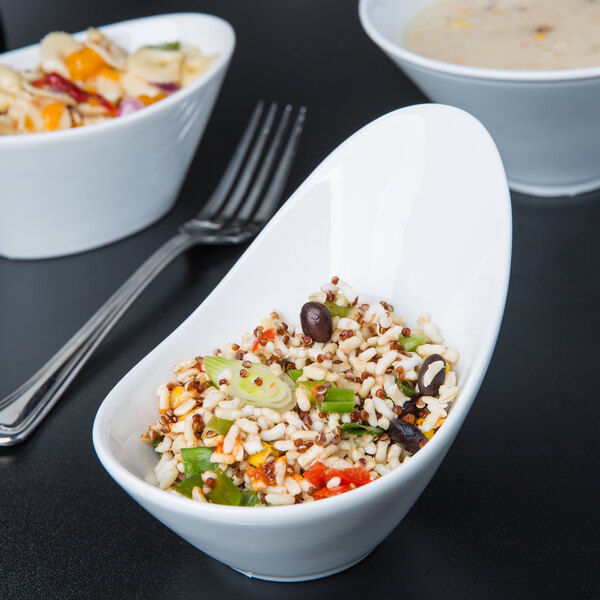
(545, 123)
(413, 208)
(73, 190)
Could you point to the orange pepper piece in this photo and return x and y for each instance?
(110, 73)
(84, 63)
(51, 114)
(148, 100)
(29, 123)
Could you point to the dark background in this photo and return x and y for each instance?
(513, 510)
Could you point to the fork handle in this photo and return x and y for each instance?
(24, 409)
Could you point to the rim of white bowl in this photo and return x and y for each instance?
(48, 137)
(547, 76)
(332, 505)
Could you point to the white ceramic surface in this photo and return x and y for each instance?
(68, 191)
(413, 208)
(545, 123)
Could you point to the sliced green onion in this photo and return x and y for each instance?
(224, 491)
(412, 342)
(259, 387)
(336, 407)
(166, 46)
(311, 387)
(336, 394)
(333, 395)
(250, 498)
(357, 429)
(196, 460)
(186, 486)
(221, 426)
(338, 311)
(294, 374)
(407, 388)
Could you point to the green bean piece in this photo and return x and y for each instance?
(336, 407)
(336, 394)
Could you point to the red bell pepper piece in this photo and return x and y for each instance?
(355, 475)
(316, 474)
(58, 82)
(334, 491)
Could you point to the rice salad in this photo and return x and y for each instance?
(294, 414)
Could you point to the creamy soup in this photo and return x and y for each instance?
(509, 34)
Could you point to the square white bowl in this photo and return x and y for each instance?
(73, 190)
(413, 208)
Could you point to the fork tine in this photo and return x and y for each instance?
(220, 193)
(237, 196)
(271, 200)
(249, 204)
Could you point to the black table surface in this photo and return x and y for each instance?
(512, 511)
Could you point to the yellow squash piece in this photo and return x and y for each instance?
(256, 459)
(175, 396)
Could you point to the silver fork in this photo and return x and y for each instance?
(237, 210)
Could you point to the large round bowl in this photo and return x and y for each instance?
(73, 190)
(545, 123)
(413, 208)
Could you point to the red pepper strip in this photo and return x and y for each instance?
(58, 82)
(356, 475)
(269, 334)
(316, 474)
(328, 492)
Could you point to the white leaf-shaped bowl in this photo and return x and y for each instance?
(414, 209)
